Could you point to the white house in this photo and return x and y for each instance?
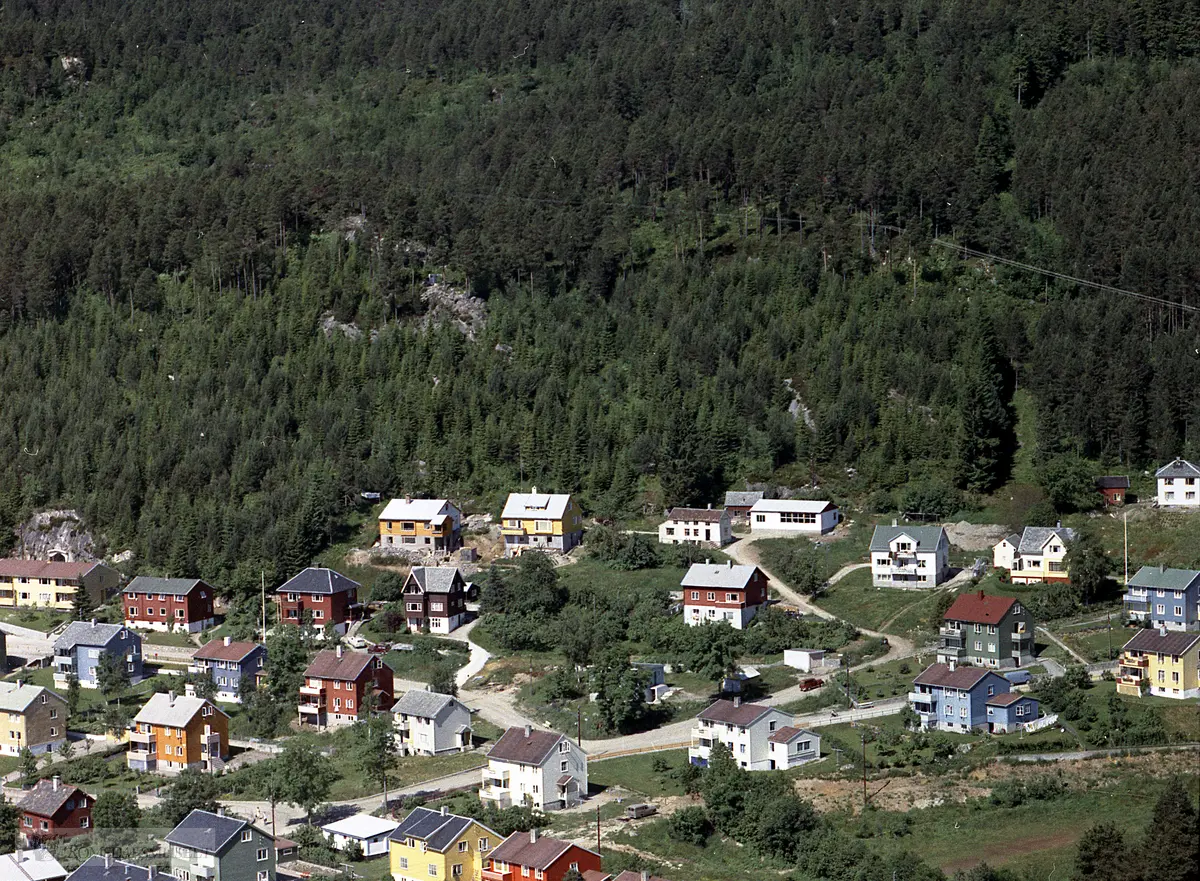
(428, 724)
(722, 592)
(804, 660)
(698, 526)
(543, 769)
(37, 864)
(789, 747)
(1038, 554)
(1179, 484)
(909, 556)
(794, 516)
(370, 833)
(745, 729)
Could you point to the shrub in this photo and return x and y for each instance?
(689, 825)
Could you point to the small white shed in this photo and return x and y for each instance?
(804, 660)
(371, 833)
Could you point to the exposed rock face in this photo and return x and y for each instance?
(56, 535)
(447, 304)
(330, 325)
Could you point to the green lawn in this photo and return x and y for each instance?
(428, 654)
(720, 859)
(1096, 643)
(174, 638)
(594, 574)
(835, 552)
(854, 599)
(638, 773)
(34, 619)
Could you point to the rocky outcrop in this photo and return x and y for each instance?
(57, 534)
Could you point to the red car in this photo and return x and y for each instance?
(810, 684)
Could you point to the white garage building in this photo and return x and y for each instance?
(800, 516)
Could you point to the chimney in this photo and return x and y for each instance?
(737, 700)
(227, 640)
(645, 875)
(55, 782)
(1058, 524)
(408, 499)
(445, 811)
(20, 682)
(953, 664)
(94, 624)
(108, 861)
(339, 650)
(729, 564)
(533, 835)
(171, 698)
(707, 561)
(220, 810)
(710, 506)
(529, 731)
(981, 593)
(894, 523)
(1162, 629)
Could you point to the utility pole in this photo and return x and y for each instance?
(597, 828)
(864, 749)
(1125, 517)
(263, 576)
(579, 727)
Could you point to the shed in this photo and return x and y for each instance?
(804, 660)
(371, 833)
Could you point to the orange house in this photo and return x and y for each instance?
(173, 732)
(420, 525)
(530, 855)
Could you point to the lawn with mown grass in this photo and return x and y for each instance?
(34, 619)
(652, 775)
(429, 653)
(856, 600)
(173, 638)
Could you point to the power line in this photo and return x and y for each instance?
(1148, 298)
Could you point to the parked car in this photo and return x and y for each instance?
(636, 812)
(810, 684)
(379, 648)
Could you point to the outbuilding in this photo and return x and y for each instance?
(370, 833)
(796, 516)
(804, 660)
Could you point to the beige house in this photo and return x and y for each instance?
(48, 584)
(36, 717)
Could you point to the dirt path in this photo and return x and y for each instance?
(888, 623)
(1062, 645)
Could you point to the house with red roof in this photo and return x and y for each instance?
(340, 687)
(542, 769)
(533, 855)
(987, 631)
(50, 584)
(231, 663)
(947, 697)
(746, 730)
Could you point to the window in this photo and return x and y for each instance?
(179, 613)
(54, 732)
(978, 646)
(247, 835)
(524, 871)
(564, 746)
(456, 870)
(28, 821)
(483, 845)
(979, 628)
(208, 711)
(562, 766)
(84, 822)
(991, 646)
(742, 748)
(712, 595)
(731, 597)
(695, 594)
(262, 854)
(262, 876)
(432, 870)
(462, 846)
(162, 612)
(317, 613)
(133, 611)
(349, 703)
(991, 690)
(1160, 609)
(1178, 611)
(1175, 677)
(670, 530)
(962, 713)
(1162, 675)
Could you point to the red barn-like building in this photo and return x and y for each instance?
(54, 810)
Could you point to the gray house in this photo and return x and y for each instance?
(428, 723)
(221, 848)
(83, 643)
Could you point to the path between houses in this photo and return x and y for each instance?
(1062, 645)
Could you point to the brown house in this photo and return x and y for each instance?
(318, 597)
(54, 810)
(1114, 488)
(435, 597)
(184, 604)
(340, 686)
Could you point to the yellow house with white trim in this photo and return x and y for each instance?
(1166, 661)
(439, 846)
(540, 521)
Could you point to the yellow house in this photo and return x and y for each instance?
(1038, 554)
(540, 521)
(51, 584)
(1167, 661)
(420, 525)
(33, 716)
(439, 846)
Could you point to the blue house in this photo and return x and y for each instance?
(947, 697)
(79, 650)
(1010, 712)
(1164, 597)
(229, 663)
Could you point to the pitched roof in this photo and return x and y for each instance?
(964, 678)
(206, 831)
(1034, 538)
(630, 875)
(11, 567)
(1178, 468)
(432, 510)
(793, 506)
(533, 850)
(1173, 642)
(46, 800)
(328, 664)
(425, 704)
(1112, 481)
(361, 826)
(105, 868)
(30, 865)
(722, 575)
(926, 538)
(437, 829)
(536, 506)
(1161, 578)
(700, 515)
(318, 580)
(434, 579)
(219, 650)
(531, 748)
(89, 633)
(741, 714)
(1014, 540)
(979, 608)
(1008, 697)
(741, 499)
(172, 710)
(787, 734)
(14, 697)
(175, 586)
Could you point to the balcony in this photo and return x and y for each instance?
(199, 871)
(141, 742)
(1138, 662)
(919, 698)
(495, 875)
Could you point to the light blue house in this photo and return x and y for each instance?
(82, 645)
(1011, 711)
(947, 697)
(229, 663)
(1164, 597)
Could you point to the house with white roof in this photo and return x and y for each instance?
(909, 556)
(1038, 554)
(370, 833)
(429, 724)
(420, 525)
(1178, 484)
(540, 521)
(37, 864)
(793, 517)
(723, 592)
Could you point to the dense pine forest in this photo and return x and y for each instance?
(707, 237)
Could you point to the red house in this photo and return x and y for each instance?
(530, 855)
(1114, 488)
(723, 592)
(339, 687)
(54, 810)
(184, 604)
(318, 597)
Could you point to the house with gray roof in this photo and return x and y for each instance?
(435, 598)
(169, 604)
(738, 504)
(107, 868)
(1178, 484)
(1038, 554)
(1164, 597)
(84, 643)
(37, 718)
(220, 847)
(429, 724)
(909, 556)
(718, 592)
(318, 597)
(541, 769)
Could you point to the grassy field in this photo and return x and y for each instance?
(156, 637)
(854, 599)
(1095, 642)
(594, 574)
(429, 652)
(34, 619)
(850, 547)
(638, 774)
(720, 858)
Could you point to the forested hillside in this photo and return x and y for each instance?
(678, 215)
